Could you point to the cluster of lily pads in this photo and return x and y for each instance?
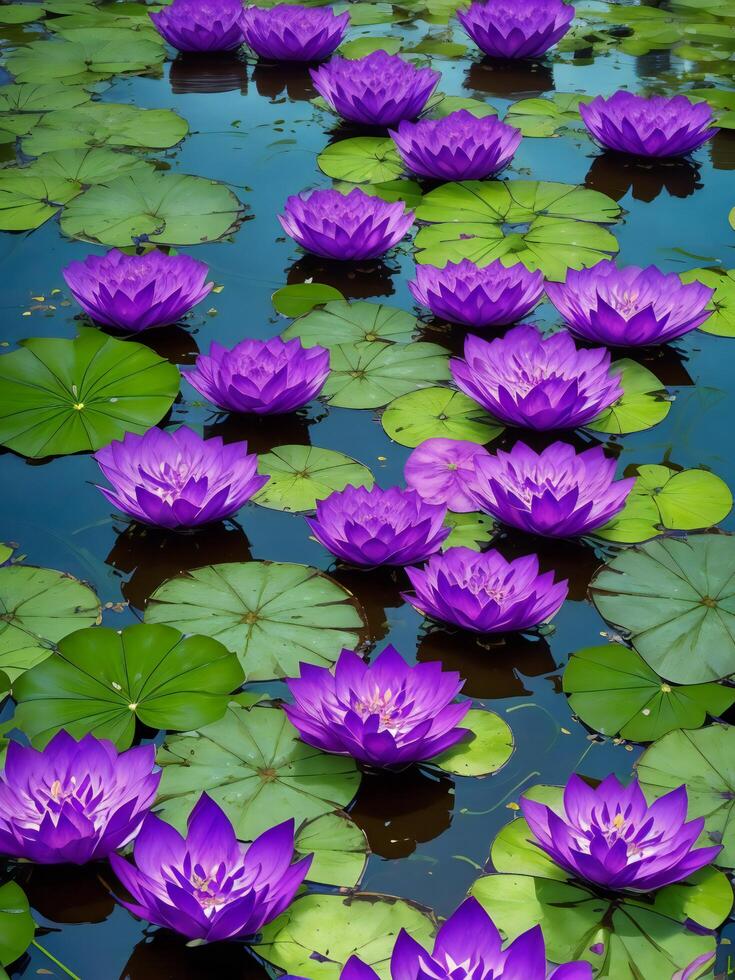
(592, 866)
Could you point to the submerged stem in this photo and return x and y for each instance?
(53, 959)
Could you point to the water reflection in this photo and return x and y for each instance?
(722, 150)
(355, 280)
(208, 74)
(66, 893)
(510, 79)
(616, 175)
(163, 956)
(150, 556)
(398, 811)
(264, 432)
(279, 82)
(492, 667)
(377, 589)
(175, 343)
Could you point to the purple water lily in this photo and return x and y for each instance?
(208, 885)
(611, 837)
(379, 527)
(290, 32)
(349, 227)
(177, 479)
(377, 90)
(458, 147)
(556, 493)
(202, 25)
(386, 714)
(75, 801)
(137, 292)
(629, 307)
(441, 471)
(648, 127)
(263, 377)
(482, 592)
(541, 383)
(475, 296)
(516, 28)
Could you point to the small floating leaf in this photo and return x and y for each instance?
(438, 412)
(302, 475)
(302, 297)
(364, 159)
(642, 405)
(485, 752)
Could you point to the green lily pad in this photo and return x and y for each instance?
(640, 935)
(369, 375)
(438, 412)
(68, 396)
(164, 208)
(101, 680)
(360, 47)
(301, 475)
(38, 607)
(487, 751)
(675, 599)
(253, 765)
(15, 124)
(446, 104)
(642, 405)
(351, 323)
(273, 615)
(17, 928)
(365, 14)
(666, 500)
(722, 321)
(302, 297)
(84, 168)
(21, 13)
(105, 123)
(82, 62)
(317, 934)
(437, 48)
(364, 159)
(27, 201)
(615, 692)
(473, 530)
(340, 850)
(704, 761)
(407, 191)
(547, 117)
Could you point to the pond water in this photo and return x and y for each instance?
(255, 128)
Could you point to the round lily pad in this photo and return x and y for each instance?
(39, 606)
(722, 321)
(438, 412)
(317, 934)
(28, 200)
(614, 691)
(369, 375)
(16, 923)
(69, 396)
(675, 599)
(624, 937)
(340, 850)
(273, 615)
(100, 680)
(642, 405)
(703, 760)
(666, 500)
(301, 475)
(21, 13)
(486, 751)
(473, 530)
(164, 208)
(253, 765)
(350, 323)
(302, 297)
(547, 117)
(84, 61)
(360, 47)
(446, 104)
(407, 191)
(364, 159)
(85, 167)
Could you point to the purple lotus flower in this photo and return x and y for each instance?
(377, 90)
(469, 947)
(289, 32)
(441, 471)
(386, 714)
(475, 296)
(137, 292)
(611, 837)
(264, 377)
(352, 226)
(516, 28)
(74, 802)
(379, 527)
(202, 25)
(177, 479)
(524, 379)
(630, 307)
(482, 592)
(208, 885)
(648, 127)
(458, 147)
(555, 493)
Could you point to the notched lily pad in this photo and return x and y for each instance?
(302, 297)
(341, 322)
(369, 375)
(722, 321)
(473, 530)
(302, 475)
(340, 850)
(364, 159)
(438, 413)
(547, 117)
(487, 750)
(644, 402)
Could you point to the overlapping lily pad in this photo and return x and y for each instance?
(253, 765)
(301, 475)
(85, 167)
(27, 201)
(68, 396)
(340, 322)
(624, 937)
(302, 297)
(675, 599)
(273, 615)
(438, 412)
(486, 751)
(703, 760)
(364, 159)
(84, 61)
(339, 847)
(444, 105)
(369, 375)
(16, 923)
(547, 117)
(644, 402)
(360, 47)
(101, 680)
(39, 606)
(722, 321)
(615, 692)
(474, 530)
(408, 191)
